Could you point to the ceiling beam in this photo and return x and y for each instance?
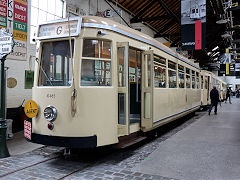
(171, 35)
(234, 8)
(174, 43)
(155, 18)
(136, 19)
(165, 7)
(166, 27)
(142, 11)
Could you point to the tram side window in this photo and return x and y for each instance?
(180, 76)
(159, 72)
(96, 48)
(172, 76)
(94, 70)
(193, 79)
(201, 82)
(206, 83)
(56, 64)
(121, 67)
(188, 78)
(197, 80)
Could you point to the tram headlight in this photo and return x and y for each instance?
(50, 113)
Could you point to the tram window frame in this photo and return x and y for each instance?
(172, 68)
(181, 70)
(193, 79)
(51, 51)
(100, 68)
(197, 80)
(160, 63)
(188, 76)
(202, 81)
(121, 66)
(206, 82)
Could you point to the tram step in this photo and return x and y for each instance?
(129, 142)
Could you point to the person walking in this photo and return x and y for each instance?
(228, 95)
(214, 96)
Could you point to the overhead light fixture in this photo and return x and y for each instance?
(222, 20)
(226, 35)
(215, 54)
(216, 48)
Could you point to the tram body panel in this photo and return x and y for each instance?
(85, 123)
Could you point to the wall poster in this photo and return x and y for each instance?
(13, 16)
(193, 24)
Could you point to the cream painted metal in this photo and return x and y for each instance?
(97, 106)
(209, 81)
(206, 87)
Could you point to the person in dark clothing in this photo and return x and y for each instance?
(214, 95)
(228, 95)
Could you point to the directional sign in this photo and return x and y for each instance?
(6, 43)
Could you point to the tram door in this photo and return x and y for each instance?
(147, 90)
(135, 80)
(123, 100)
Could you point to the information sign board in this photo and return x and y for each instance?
(6, 43)
(59, 28)
(13, 16)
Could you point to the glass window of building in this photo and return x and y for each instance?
(181, 76)
(172, 76)
(45, 10)
(159, 72)
(96, 63)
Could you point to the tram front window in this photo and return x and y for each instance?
(56, 66)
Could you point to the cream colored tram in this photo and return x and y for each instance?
(206, 86)
(224, 90)
(121, 82)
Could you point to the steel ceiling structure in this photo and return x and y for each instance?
(164, 18)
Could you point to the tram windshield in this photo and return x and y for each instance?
(56, 66)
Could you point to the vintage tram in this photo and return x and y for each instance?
(97, 80)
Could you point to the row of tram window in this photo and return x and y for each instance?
(96, 67)
(187, 78)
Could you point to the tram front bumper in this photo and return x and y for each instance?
(70, 142)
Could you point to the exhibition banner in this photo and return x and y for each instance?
(13, 16)
(193, 24)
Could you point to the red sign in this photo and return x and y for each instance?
(27, 129)
(20, 12)
(198, 35)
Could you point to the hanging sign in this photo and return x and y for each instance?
(13, 16)
(193, 24)
(6, 43)
(29, 77)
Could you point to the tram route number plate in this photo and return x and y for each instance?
(27, 129)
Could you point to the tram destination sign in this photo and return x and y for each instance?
(59, 28)
(6, 43)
